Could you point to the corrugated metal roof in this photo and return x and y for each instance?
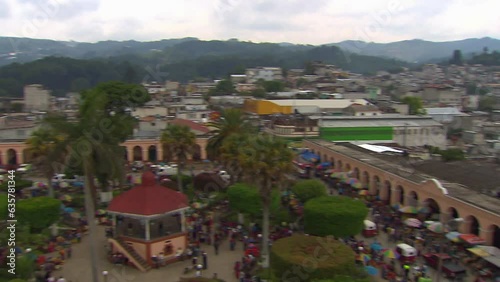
(320, 103)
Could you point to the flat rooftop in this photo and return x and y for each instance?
(464, 180)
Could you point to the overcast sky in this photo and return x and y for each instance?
(295, 21)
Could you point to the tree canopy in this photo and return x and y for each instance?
(38, 212)
(416, 107)
(309, 189)
(338, 216)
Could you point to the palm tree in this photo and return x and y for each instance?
(266, 161)
(230, 155)
(41, 144)
(231, 121)
(180, 141)
(94, 141)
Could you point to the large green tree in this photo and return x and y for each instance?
(42, 145)
(231, 121)
(180, 141)
(94, 141)
(338, 216)
(416, 107)
(38, 212)
(266, 162)
(309, 189)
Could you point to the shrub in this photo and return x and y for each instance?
(453, 154)
(200, 279)
(3, 205)
(337, 216)
(186, 180)
(38, 212)
(313, 257)
(309, 189)
(20, 184)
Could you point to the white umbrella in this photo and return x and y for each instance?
(413, 222)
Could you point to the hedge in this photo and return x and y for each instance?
(20, 183)
(38, 212)
(3, 205)
(309, 189)
(308, 258)
(338, 216)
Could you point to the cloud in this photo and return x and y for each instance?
(4, 9)
(296, 21)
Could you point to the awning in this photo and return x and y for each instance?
(478, 252)
(471, 239)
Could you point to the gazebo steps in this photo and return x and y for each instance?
(131, 254)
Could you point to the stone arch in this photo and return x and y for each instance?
(434, 211)
(11, 157)
(375, 190)
(400, 195)
(412, 199)
(196, 156)
(339, 165)
(137, 153)
(452, 213)
(332, 161)
(495, 232)
(355, 173)
(366, 179)
(348, 167)
(472, 225)
(1, 158)
(152, 153)
(325, 158)
(386, 192)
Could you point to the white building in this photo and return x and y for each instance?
(265, 73)
(36, 98)
(444, 115)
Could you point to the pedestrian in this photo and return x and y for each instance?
(204, 256)
(69, 252)
(232, 244)
(61, 279)
(237, 268)
(216, 247)
(194, 261)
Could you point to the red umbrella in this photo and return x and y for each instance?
(472, 239)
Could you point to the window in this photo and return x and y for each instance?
(374, 114)
(153, 124)
(362, 114)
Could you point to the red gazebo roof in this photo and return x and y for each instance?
(149, 198)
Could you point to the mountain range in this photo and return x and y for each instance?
(414, 51)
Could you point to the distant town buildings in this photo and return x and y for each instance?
(36, 98)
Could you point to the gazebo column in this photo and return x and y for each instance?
(183, 221)
(113, 222)
(147, 235)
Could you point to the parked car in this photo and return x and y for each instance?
(23, 168)
(167, 170)
(137, 165)
(448, 267)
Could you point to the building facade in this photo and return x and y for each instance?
(36, 98)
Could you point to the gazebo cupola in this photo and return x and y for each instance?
(148, 220)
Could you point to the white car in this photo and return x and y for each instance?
(23, 168)
(167, 170)
(57, 178)
(224, 175)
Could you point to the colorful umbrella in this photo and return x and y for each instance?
(69, 210)
(338, 174)
(424, 210)
(366, 258)
(357, 185)
(100, 212)
(409, 209)
(413, 222)
(471, 239)
(66, 198)
(390, 254)
(376, 247)
(371, 270)
(350, 181)
(436, 227)
(363, 193)
(453, 236)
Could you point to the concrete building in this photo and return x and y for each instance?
(359, 110)
(408, 131)
(444, 115)
(265, 73)
(36, 98)
(445, 188)
(292, 106)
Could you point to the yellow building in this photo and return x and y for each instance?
(265, 107)
(303, 106)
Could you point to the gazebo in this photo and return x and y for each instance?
(148, 220)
